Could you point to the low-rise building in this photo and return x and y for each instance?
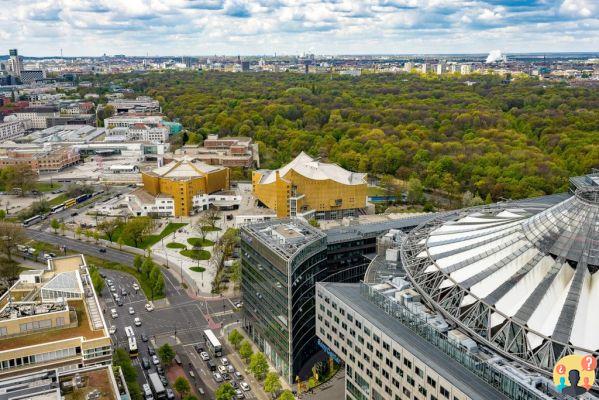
(227, 151)
(51, 318)
(11, 130)
(39, 159)
(308, 187)
(183, 180)
(137, 127)
(137, 105)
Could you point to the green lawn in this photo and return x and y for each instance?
(176, 245)
(198, 269)
(196, 254)
(376, 191)
(46, 187)
(198, 242)
(61, 198)
(150, 240)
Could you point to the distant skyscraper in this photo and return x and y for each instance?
(465, 69)
(425, 68)
(15, 63)
(408, 67)
(245, 66)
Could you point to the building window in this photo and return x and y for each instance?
(431, 382)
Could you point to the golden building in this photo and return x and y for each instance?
(182, 180)
(51, 318)
(311, 188)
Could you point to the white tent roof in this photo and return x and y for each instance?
(306, 166)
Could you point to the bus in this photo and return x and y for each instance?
(33, 220)
(70, 203)
(129, 332)
(212, 343)
(132, 347)
(57, 208)
(157, 386)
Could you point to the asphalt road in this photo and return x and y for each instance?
(186, 316)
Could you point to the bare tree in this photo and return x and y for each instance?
(10, 236)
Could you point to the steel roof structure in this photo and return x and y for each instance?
(527, 285)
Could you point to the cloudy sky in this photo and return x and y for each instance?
(207, 27)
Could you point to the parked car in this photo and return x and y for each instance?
(177, 358)
(112, 289)
(163, 380)
(201, 391)
(234, 384)
(137, 321)
(169, 394)
(199, 349)
(211, 365)
(135, 286)
(230, 369)
(124, 292)
(102, 250)
(144, 337)
(155, 360)
(160, 370)
(226, 376)
(151, 350)
(119, 302)
(238, 375)
(224, 361)
(239, 394)
(217, 377)
(244, 386)
(112, 330)
(205, 356)
(113, 313)
(131, 311)
(145, 363)
(222, 369)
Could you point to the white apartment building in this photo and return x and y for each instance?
(408, 67)
(11, 130)
(37, 120)
(425, 68)
(441, 68)
(465, 69)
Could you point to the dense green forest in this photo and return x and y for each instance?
(510, 139)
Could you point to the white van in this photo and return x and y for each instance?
(147, 392)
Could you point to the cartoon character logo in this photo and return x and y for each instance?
(574, 375)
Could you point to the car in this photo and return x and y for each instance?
(119, 302)
(239, 304)
(205, 356)
(112, 289)
(74, 214)
(230, 369)
(238, 375)
(124, 292)
(222, 369)
(178, 359)
(109, 282)
(102, 250)
(144, 337)
(199, 348)
(145, 363)
(160, 370)
(191, 373)
(234, 384)
(113, 313)
(135, 286)
(211, 365)
(151, 350)
(239, 394)
(169, 394)
(226, 376)
(163, 380)
(103, 275)
(131, 311)
(137, 321)
(112, 330)
(201, 391)
(217, 377)
(155, 360)
(149, 307)
(224, 361)
(244, 386)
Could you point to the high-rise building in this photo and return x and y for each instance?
(245, 66)
(311, 188)
(408, 66)
(15, 62)
(425, 68)
(441, 68)
(475, 304)
(465, 69)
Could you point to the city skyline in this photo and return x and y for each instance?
(231, 27)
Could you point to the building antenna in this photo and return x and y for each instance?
(61, 53)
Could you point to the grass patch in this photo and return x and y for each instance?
(61, 198)
(150, 240)
(199, 242)
(198, 269)
(376, 191)
(210, 228)
(176, 245)
(46, 187)
(196, 254)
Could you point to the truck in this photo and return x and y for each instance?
(157, 386)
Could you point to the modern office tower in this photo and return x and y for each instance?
(281, 261)
(475, 304)
(15, 62)
(51, 318)
(311, 188)
(183, 181)
(245, 66)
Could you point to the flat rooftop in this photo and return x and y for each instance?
(445, 366)
(284, 236)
